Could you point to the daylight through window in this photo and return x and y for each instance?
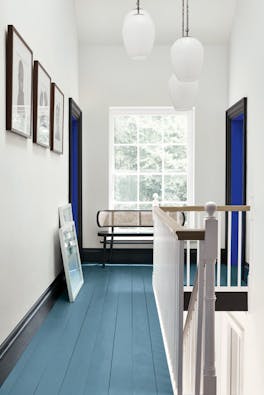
(151, 151)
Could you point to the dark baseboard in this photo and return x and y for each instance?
(12, 348)
(143, 256)
(136, 256)
(225, 301)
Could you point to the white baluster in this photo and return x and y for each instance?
(197, 243)
(209, 339)
(199, 314)
(188, 263)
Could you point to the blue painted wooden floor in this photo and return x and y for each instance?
(107, 342)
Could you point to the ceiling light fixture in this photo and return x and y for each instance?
(138, 33)
(187, 60)
(187, 53)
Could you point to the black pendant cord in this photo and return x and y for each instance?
(138, 6)
(183, 18)
(185, 29)
(187, 18)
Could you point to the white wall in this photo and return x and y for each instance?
(247, 79)
(34, 181)
(109, 78)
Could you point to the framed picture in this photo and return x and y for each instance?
(41, 105)
(19, 79)
(65, 214)
(71, 260)
(57, 119)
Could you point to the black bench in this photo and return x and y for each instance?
(124, 227)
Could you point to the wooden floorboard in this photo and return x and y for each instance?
(121, 367)
(51, 359)
(159, 357)
(75, 343)
(144, 380)
(98, 371)
(107, 342)
(57, 315)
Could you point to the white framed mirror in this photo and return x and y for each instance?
(71, 259)
(65, 214)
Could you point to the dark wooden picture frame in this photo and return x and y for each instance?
(23, 107)
(39, 97)
(56, 118)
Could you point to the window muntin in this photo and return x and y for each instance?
(151, 151)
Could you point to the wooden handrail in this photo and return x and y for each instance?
(202, 208)
(181, 232)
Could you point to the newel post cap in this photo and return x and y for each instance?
(210, 208)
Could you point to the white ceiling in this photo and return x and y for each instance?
(100, 21)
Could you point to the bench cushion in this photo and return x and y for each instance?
(124, 218)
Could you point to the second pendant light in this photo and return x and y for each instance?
(187, 55)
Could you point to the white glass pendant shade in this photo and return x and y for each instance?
(187, 55)
(183, 94)
(138, 34)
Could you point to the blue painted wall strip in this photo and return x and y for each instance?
(237, 181)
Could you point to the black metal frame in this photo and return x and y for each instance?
(111, 234)
(74, 110)
(237, 109)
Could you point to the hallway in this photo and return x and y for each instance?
(107, 342)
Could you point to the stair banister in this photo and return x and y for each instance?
(169, 237)
(210, 251)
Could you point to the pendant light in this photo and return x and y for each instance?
(183, 94)
(138, 33)
(187, 53)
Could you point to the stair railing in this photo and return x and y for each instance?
(190, 352)
(231, 271)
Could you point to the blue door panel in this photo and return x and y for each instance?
(237, 179)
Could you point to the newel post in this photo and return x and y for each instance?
(211, 230)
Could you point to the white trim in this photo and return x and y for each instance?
(161, 110)
(164, 338)
(233, 325)
(111, 161)
(191, 156)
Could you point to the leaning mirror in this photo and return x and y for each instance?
(65, 214)
(71, 260)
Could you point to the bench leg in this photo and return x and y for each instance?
(104, 255)
(111, 249)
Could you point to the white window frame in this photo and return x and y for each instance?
(114, 111)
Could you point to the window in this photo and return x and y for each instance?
(151, 151)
